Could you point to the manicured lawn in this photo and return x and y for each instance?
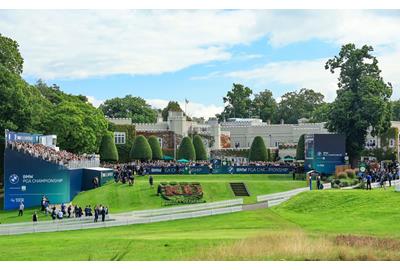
(375, 212)
(317, 225)
(121, 197)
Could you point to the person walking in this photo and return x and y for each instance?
(96, 213)
(151, 181)
(103, 214)
(21, 209)
(34, 217)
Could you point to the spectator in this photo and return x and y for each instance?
(96, 213)
(34, 217)
(151, 181)
(21, 209)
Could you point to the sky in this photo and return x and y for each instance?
(163, 55)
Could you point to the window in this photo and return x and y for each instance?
(276, 144)
(391, 143)
(160, 141)
(119, 137)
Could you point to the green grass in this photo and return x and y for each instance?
(375, 212)
(121, 197)
(172, 240)
(303, 228)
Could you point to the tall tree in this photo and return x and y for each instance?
(129, 106)
(300, 148)
(238, 103)
(264, 106)
(172, 106)
(10, 57)
(362, 100)
(321, 113)
(295, 105)
(395, 110)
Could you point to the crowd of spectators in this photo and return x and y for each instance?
(61, 157)
(381, 173)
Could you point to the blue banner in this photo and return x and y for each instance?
(220, 170)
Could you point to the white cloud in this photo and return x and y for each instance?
(193, 109)
(94, 101)
(78, 44)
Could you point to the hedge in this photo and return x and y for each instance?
(258, 151)
(156, 151)
(141, 149)
(108, 150)
(198, 144)
(186, 150)
(300, 148)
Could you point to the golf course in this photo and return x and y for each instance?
(313, 225)
(122, 198)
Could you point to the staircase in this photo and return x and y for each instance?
(239, 189)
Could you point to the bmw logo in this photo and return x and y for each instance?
(14, 179)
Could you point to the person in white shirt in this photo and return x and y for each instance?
(60, 215)
(21, 209)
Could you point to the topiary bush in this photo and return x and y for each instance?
(108, 150)
(141, 149)
(258, 151)
(156, 151)
(300, 148)
(186, 150)
(199, 148)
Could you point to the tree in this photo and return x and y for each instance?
(172, 106)
(199, 148)
(258, 151)
(300, 148)
(362, 100)
(79, 127)
(238, 103)
(264, 105)
(186, 150)
(108, 151)
(10, 57)
(135, 108)
(321, 113)
(295, 105)
(156, 151)
(395, 110)
(141, 149)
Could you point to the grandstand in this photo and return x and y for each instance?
(34, 166)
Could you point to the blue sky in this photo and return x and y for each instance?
(173, 55)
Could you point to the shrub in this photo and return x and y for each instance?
(258, 152)
(141, 149)
(300, 148)
(108, 150)
(199, 148)
(186, 150)
(156, 151)
(350, 173)
(342, 175)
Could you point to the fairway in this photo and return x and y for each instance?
(121, 197)
(317, 225)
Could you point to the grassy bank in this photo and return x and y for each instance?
(121, 197)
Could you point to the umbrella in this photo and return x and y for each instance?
(183, 160)
(167, 158)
